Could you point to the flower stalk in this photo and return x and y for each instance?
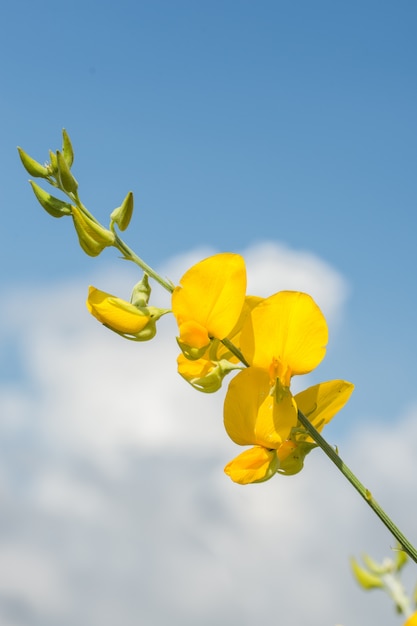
(360, 488)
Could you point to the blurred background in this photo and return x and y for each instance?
(285, 131)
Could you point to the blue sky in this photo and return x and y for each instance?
(235, 124)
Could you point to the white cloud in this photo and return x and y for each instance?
(111, 475)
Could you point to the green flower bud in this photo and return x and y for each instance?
(67, 180)
(366, 579)
(92, 236)
(53, 164)
(31, 166)
(54, 206)
(122, 215)
(67, 150)
(141, 292)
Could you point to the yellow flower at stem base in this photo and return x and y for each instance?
(252, 416)
(208, 302)
(124, 318)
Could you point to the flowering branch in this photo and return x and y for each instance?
(223, 330)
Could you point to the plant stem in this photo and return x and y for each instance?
(360, 488)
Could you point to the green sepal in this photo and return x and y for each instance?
(190, 352)
(122, 215)
(212, 382)
(67, 180)
(54, 206)
(92, 236)
(67, 151)
(31, 166)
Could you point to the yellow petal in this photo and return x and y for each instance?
(412, 620)
(252, 466)
(116, 313)
(193, 334)
(211, 294)
(321, 402)
(251, 413)
(288, 332)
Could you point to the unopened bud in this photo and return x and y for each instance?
(67, 180)
(92, 236)
(31, 166)
(141, 292)
(67, 151)
(122, 215)
(54, 206)
(365, 578)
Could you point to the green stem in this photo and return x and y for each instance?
(127, 252)
(230, 346)
(360, 488)
(131, 256)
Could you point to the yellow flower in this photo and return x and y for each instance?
(412, 620)
(286, 334)
(207, 372)
(252, 416)
(208, 302)
(123, 317)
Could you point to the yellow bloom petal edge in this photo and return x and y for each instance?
(321, 402)
(252, 416)
(252, 466)
(286, 334)
(211, 294)
(412, 620)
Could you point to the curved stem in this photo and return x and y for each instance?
(360, 488)
(131, 256)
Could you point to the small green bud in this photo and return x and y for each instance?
(92, 236)
(54, 206)
(52, 165)
(67, 150)
(378, 568)
(31, 166)
(366, 579)
(67, 180)
(122, 215)
(141, 292)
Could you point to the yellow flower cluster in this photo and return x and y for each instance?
(268, 340)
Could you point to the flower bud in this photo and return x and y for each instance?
(31, 166)
(122, 215)
(54, 206)
(67, 180)
(92, 236)
(67, 151)
(53, 164)
(366, 579)
(141, 292)
(129, 321)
